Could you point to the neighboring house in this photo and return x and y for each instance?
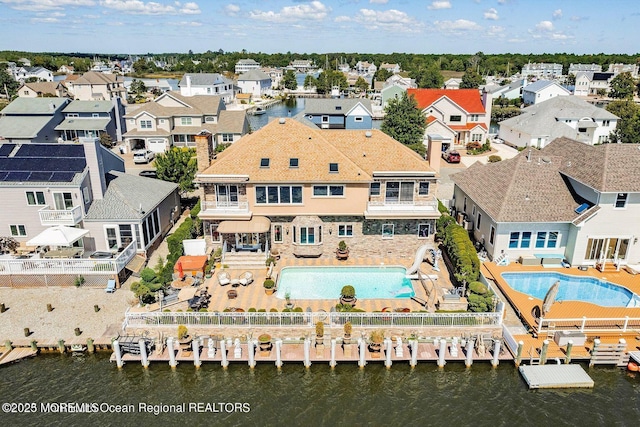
(338, 113)
(364, 67)
(454, 116)
(452, 83)
(174, 120)
(300, 190)
(275, 74)
(568, 200)
(23, 73)
(244, 65)
(589, 83)
(404, 82)
(624, 68)
(353, 78)
(541, 91)
(344, 67)
(89, 119)
(94, 86)
(66, 69)
(575, 68)
(42, 89)
(27, 120)
(254, 82)
(562, 116)
(207, 84)
(302, 65)
(542, 70)
(392, 68)
(511, 91)
(391, 92)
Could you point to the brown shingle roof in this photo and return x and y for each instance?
(197, 105)
(357, 155)
(93, 78)
(232, 121)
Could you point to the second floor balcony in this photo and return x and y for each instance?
(402, 209)
(224, 209)
(69, 217)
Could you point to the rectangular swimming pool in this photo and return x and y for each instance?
(327, 282)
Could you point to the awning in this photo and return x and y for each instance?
(59, 235)
(83, 124)
(257, 224)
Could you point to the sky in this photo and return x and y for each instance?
(319, 26)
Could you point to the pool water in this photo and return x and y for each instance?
(572, 288)
(327, 282)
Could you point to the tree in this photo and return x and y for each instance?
(138, 87)
(404, 122)
(361, 84)
(178, 165)
(471, 80)
(622, 86)
(8, 85)
(628, 127)
(289, 80)
(329, 78)
(105, 140)
(430, 78)
(309, 81)
(383, 74)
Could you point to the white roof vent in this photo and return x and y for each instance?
(282, 120)
(368, 134)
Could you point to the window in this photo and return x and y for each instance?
(464, 205)
(473, 210)
(473, 118)
(227, 137)
(476, 137)
(345, 230)
(478, 221)
(455, 118)
(621, 200)
(525, 240)
(227, 195)
(398, 192)
(492, 235)
(333, 168)
(328, 190)
(358, 119)
(209, 119)
(277, 233)
(145, 124)
(307, 235)
(264, 162)
(71, 115)
(278, 194)
(293, 162)
(606, 123)
(546, 239)
(387, 231)
(582, 130)
(35, 198)
(63, 201)
(112, 237)
(18, 230)
(374, 189)
(423, 189)
(325, 119)
(95, 115)
(85, 194)
(520, 240)
(185, 121)
(423, 231)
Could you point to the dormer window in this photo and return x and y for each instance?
(333, 168)
(264, 162)
(293, 162)
(338, 107)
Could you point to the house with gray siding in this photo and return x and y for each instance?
(89, 119)
(27, 120)
(339, 113)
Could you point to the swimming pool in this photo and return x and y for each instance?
(573, 288)
(327, 282)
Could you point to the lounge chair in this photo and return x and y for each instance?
(111, 286)
(246, 278)
(224, 279)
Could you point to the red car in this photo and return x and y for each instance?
(451, 156)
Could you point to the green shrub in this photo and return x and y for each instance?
(251, 310)
(297, 310)
(269, 284)
(442, 208)
(195, 211)
(269, 261)
(480, 303)
(262, 310)
(494, 158)
(461, 252)
(148, 275)
(478, 288)
(348, 291)
(273, 310)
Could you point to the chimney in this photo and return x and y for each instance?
(434, 150)
(204, 149)
(95, 164)
(188, 77)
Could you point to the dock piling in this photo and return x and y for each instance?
(362, 352)
(496, 353)
(61, 346)
(543, 352)
(172, 352)
(453, 347)
(399, 350)
(441, 353)
(469, 360)
(223, 353)
(332, 363)
(387, 349)
(34, 345)
(279, 353)
(567, 358)
(143, 353)
(307, 351)
(116, 350)
(519, 353)
(195, 346)
(90, 347)
(211, 348)
(251, 353)
(413, 344)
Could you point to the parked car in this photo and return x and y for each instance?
(143, 156)
(451, 156)
(148, 173)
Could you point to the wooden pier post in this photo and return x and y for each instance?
(441, 353)
(307, 352)
(251, 354)
(143, 353)
(567, 358)
(519, 353)
(8, 345)
(469, 359)
(453, 347)
(279, 353)
(116, 350)
(223, 353)
(332, 362)
(496, 353)
(362, 352)
(195, 346)
(413, 344)
(172, 352)
(61, 346)
(34, 345)
(90, 347)
(387, 347)
(543, 352)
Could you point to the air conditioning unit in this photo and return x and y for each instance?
(467, 225)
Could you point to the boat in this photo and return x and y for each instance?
(78, 348)
(258, 111)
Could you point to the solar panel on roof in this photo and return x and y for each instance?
(6, 149)
(17, 176)
(3, 175)
(50, 150)
(40, 176)
(63, 176)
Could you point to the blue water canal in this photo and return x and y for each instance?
(346, 395)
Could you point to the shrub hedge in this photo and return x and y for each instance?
(460, 249)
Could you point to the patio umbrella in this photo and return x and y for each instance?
(550, 298)
(180, 270)
(59, 235)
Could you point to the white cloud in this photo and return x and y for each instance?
(391, 19)
(491, 14)
(138, 7)
(379, 1)
(495, 30)
(557, 14)
(314, 10)
(457, 25)
(546, 30)
(186, 24)
(436, 5)
(40, 5)
(232, 9)
(544, 26)
(48, 20)
(342, 18)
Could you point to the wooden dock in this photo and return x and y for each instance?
(16, 354)
(555, 376)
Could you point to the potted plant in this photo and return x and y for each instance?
(348, 295)
(287, 298)
(183, 335)
(342, 253)
(207, 271)
(347, 333)
(217, 255)
(375, 343)
(319, 330)
(264, 344)
(269, 286)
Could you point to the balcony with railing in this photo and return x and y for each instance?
(224, 209)
(402, 209)
(70, 217)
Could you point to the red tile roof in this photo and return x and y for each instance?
(468, 99)
(468, 126)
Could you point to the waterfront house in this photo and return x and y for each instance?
(301, 190)
(590, 83)
(244, 65)
(254, 82)
(392, 68)
(541, 91)
(624, 68)
(95, 86)
(173, 120)
(339, 113)
(89, 119)
(302, 65)
(67, 69)
(275, 74)
(25, 72)
(569, 200)
(510, 91)
(365, 67)
(562, 116)
(27, 120)
(454, 116)
(42, 89)
(452, 83)
(207, 84)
